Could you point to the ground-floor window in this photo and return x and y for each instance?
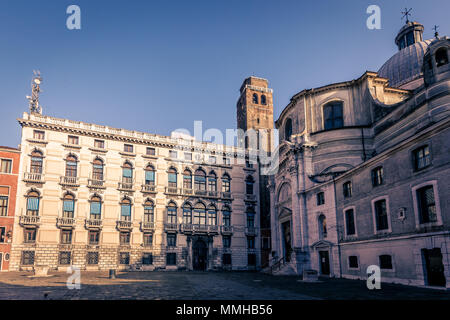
(92, 258)
(148, 239)
(29, 235)
(385, 262)
(251, 259)
(124, 258)
(94, 237)
(64, 257)
(353, 262)
(124, 238)
(27, 258)
(226, 259)
(171, 259)
(147, 258)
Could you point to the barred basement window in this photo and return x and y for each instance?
(385, 261)
(124, 258)
(147, 258)
(64, 257)
(92, 258)
(226, 259)
(27, 258)
(251, 259)
(171, 259)
(353, 262)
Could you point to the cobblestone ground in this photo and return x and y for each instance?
(198, 286)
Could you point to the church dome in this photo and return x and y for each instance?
(406, 65)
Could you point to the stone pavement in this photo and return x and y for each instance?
(199, 286)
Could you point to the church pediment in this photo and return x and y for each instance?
(322, 244)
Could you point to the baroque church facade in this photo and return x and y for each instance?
(363, 171)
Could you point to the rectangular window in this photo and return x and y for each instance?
(128, 148)
(100, 144)
(251, 258)
(124, 258)
(171, 240)
(6, 166)
(171, 259)
(377, 176)
(27, 258)
(353, 262)
(381, 216)
(66, 236)
(385, 262)
(320, 198)
(151, 151)
(421, 158)
(148, 239)
(226, 241)
(73, 140)
(347, 189)
(94, 237)
(226, 259)
(251, 242)
(188, 156)
(64, 257)
(265, 243)
(38, 135)
(29, 235)
(226, 161)
(173, 154)
(124, 238)
(426, 204)
(147, 258)
(2, 234)
(3, 205)
(92, 258)
(212, 160)
(333, 116)
(350, 222)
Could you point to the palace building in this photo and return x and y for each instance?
(363, 174)
(99, 198)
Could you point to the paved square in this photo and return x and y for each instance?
(199, 286)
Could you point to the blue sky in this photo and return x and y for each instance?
(156, 66)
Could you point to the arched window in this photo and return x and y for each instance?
(187, 179)
(441, 57)
(263, 100)
(333, 115)
(226, 216)
(172, 178)
(36, 162)
(322, 226)
(249, 185)
(97, 170)
(150, 175)
(200, 214)
(171, 213)
(96, 208)
(127, 172)
(149, 211)
(250, 217)
(212, 182)
(68, 205)
(33, 203)
(255, 98)
(226, 186)
(125, 209)
(71, 166)
(288, 129)
(187, 213)
(200, 180)
(212, 215)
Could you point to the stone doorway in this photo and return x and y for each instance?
(200, 255)
(434, 267)
(287, 248)
(324, 263)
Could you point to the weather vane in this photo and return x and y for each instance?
(435, 28)
(35, 89)
(406, 13)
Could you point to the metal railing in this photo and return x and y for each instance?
(251, 231)
(173, 190)
(93, 183)
(148, 226)
(29, 220)
(33, 177)
(93, 223)
(198, 228)
(123, 224)
(128, 186)
(148, 188)
(65, 222)
(170, 226)
(226, 229)
(69, 181)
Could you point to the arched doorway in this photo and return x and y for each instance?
(200, 255)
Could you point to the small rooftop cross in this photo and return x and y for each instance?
(406, 13)
(435, 28)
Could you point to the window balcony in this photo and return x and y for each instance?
(226, 230)
(170, 227)
(93, 223)
(147, 226)
(226, 195)
(213, 194)
(148, 188)
(200, 193)
(125, 186)
(69, 181)
(250, 197)
(188, 192)
(251, 231)
(173, 190)
(29, 221)
(199, 229)
(96, 184)
(62, 222)
(33, 177)
(123, 225)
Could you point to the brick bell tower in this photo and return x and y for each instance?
(255, 111)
